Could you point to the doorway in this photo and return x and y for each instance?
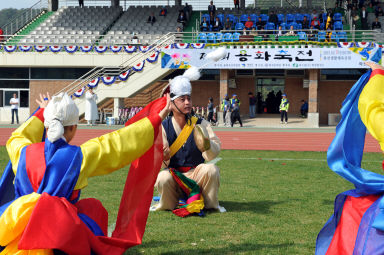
(268, 94)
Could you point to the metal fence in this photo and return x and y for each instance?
(28, 15)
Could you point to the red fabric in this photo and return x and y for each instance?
(94, 210)
(35, 164)
(181, 212)
(40, 114)
(184, 169)
(248, 24)
(377, 71)
(344, 239)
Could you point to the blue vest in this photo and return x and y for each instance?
(189, 154)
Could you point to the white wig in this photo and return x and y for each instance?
(60, 112)
(181, 85)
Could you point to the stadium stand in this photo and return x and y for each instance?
(74, 25)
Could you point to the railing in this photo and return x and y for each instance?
(114, 71)
(22, 19)
(193, 37)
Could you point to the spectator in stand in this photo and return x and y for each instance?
(151, 19)
(252, 105)
(370, 8)
(187, 11)
(304, 108)
(211, 19)
(305, 23)
(363, 17)
(228, 25)
(204, 25)
(311, 34)
(253, 32)
(181, 19)
(260, 24)
(212, 9)
(273, 18)
(245, 32)
(379, 12)
(314, 15)
(1, 35)
(329, 33)
(178, 35)
(291, 32)
(376, 25)
(356, 21)
(163, 11)
(349, 5)
(217, 26)
(315, 23)
(81, 3)
(249, 24)
(237, 4)
(279, 33)
(210, 111)
(14, 102)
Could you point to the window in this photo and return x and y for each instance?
(6, 96)
(58, 73)
(269, 72)
(14, 73)
(244, 72)
(14, 84)
(341, 74)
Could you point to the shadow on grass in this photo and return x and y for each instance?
(328, 201)
(253, 206)
(231, 249)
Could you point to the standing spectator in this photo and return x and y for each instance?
(273, 18)
(370, 8)
(187, 11)
(14, 102)
(151, 19)
(163, 11)
(204, 26)
(305, 23)
(284, 106)
(249, 24)
(81, 3)
(1, 35)
(217, 26)
(226, 108)
(237, 4)
(211, 20)
(211, 9)
(228, 24)
(376, 25)
(363, 18)
(304, 108)
(252, 105)
(91, 114)
(210, 111)
(235, 115)
(356, 21)
(181, 19)
(314, 15)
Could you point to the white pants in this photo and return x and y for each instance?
(207, 176)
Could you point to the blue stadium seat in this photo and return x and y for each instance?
(254, 18)
(227, 37)
(334, 37)
(270, 26)
(338, 25)
(235, 20)
(294, 24)
(264, 17)
(219, 37)
(206, 17)
(202, 38)
(342, 36)
(221, 18)
(322, 26)
(302, 36)
(337, 17)
(244, 18)
(239, 26)
(299, 26)
(299, 17)
(283, 26)
(236, 37)
(211, 38)
(289, 18)
(324, 17)
(321, 36)
(280, 18)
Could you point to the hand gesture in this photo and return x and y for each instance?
(167, 109)
(166, 153)
(373, 65)
(44, 100)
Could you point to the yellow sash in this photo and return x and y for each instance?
(183, 136)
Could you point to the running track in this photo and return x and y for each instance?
(244, 140)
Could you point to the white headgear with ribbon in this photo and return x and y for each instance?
(60, 112)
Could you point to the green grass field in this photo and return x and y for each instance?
(277, 202)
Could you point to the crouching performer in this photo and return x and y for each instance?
(44, 215)
(188, 142)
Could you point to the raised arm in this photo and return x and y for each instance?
(215, 143)
(371, 103)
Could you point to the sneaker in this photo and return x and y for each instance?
(281, 122)
(286, 122)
